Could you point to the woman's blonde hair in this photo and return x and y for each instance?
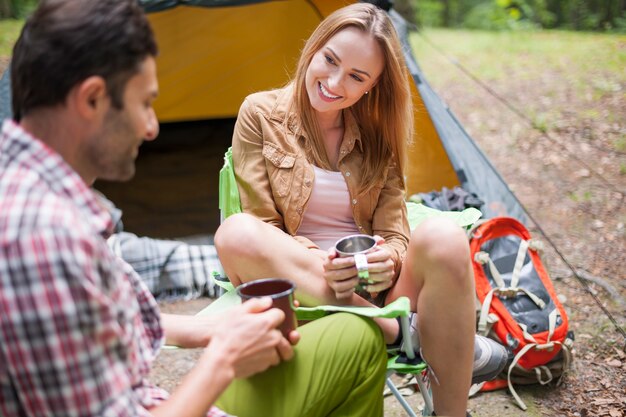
(384, 116)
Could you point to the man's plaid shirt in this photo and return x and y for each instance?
(78, 328)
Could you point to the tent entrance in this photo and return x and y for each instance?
(175, 189)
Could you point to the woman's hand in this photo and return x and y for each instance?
(380, 267)
(341, 273)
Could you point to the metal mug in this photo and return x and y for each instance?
(281, 293)
(357, 246)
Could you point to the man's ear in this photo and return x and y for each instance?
(90, 97)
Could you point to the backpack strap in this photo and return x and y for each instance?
(507, 292)
(502, 290)
(539, 370)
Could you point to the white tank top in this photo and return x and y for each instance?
(328, 216)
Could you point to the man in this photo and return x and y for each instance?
(172, 269)
(78, 328)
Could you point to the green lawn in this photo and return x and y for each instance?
(9, 31)
(494, 54)
(559, 79)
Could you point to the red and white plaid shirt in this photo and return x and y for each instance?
(78, 328)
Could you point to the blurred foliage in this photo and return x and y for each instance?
(407, 9)
(9, 32)
(601, 15)
(16, 9)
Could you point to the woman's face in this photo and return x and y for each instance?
(347, 66)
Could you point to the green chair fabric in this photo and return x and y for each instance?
(229, 201)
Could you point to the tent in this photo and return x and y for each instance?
(215, 52)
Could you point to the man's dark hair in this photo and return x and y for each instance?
(66, 41)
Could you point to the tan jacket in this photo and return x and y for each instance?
(275, 178)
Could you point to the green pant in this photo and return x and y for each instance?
(338, 370)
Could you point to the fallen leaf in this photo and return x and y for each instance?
(616, 363)
(597, 224)
(583, 173)
(603, 401)
(619, 352)
(614, 412)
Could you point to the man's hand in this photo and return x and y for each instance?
(247, 338)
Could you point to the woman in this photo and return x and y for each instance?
(324, 158)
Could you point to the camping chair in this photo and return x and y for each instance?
(406, 362)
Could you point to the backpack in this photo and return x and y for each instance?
(518, 306)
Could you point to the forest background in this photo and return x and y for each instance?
(596, 15)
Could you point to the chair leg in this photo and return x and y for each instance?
(400, 398)
(424, 385)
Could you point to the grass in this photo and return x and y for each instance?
(9, 31)
(560, 67)
(493, 55)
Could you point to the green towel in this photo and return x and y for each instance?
(417, 213)
(399, 307)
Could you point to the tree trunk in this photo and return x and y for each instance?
(613, 10)
(6, 10)
(445, 14)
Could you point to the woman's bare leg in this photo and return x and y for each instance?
(437, 269)
(250, 249)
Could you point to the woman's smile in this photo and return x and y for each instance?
(326, 94)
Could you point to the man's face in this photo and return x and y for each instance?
(114, 148)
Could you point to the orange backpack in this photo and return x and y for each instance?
(518, 305)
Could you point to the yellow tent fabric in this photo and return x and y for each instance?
(211, 58)
(428, 166)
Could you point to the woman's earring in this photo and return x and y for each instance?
(367, 92)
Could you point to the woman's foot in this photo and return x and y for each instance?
(490, 357)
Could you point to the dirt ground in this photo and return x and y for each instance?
(572, 181)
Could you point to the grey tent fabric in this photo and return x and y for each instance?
(5, 95)
(159, 5)
(475, 172)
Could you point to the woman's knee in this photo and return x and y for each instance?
(236, 229)
(440, 243)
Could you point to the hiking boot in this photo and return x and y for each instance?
(490, 357)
